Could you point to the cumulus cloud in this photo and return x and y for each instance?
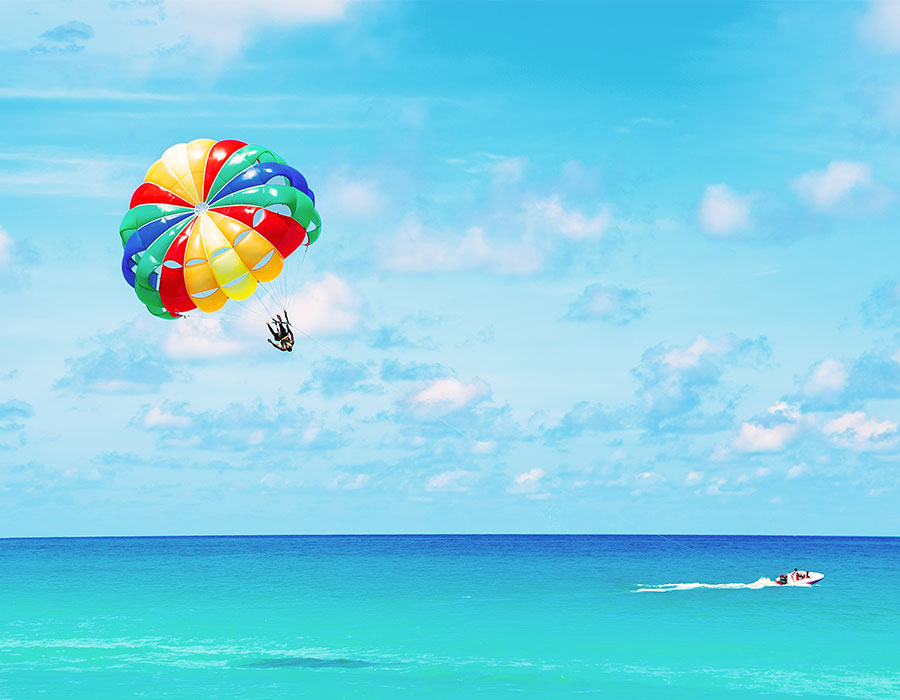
(584, 417)
(334, 376)
(828, 377)
(873, 375)
(771, 436)
(797, 471)
(844, 187)
(449, 394)
(414, 250)
(881, 24)
(609, 303)
(527, 482)
(326, 307)
(783, 408)
(722, 211)
(551, 216)
(675, 381)
(200, 337)
(856, 429)
(118, 367)
(716, 488)
(701, 349)
(166, 415)
(453, 480)
(6, 247)
(271, 428)
(758, 438)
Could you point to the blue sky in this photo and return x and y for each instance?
(584, 268)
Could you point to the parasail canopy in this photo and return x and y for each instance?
(211, 221)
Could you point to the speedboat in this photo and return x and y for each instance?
(799, 578)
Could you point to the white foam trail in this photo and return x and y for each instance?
(663, 587)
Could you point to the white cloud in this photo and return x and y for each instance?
(789, 411)
(527, 482)
(272, 480)
(646, 481)
(6, 245)
(224, 25)
(552, 217)
(502, 169)
(484, 447)
(829, 377)
(359, 198)
(757, 438)
(160, 416)
(797, 470)
(454, 480)
(685, 358)
(358, 482)
(856, 429)
(723, 211)
(200, 336)
(693, 478)
(509, 170)
(450, 393)
(203, 32)
(826, 189)
(881, 24)
(325, 307)
(530, 477)
(66, 173)
(715, 488)
(415, 250)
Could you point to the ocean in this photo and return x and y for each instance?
(430, 617)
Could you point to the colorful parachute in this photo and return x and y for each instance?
(210, 222)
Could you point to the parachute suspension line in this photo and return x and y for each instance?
(283, 277)
(272, 297)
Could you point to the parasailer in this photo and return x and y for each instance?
(211, 221)
(282, 333)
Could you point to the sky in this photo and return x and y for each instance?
(584, 268)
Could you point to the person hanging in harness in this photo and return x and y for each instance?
(281, 332)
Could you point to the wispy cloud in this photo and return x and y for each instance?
(609, 303)
(881, 24)
(415, 250)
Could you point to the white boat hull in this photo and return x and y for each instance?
(808, 579)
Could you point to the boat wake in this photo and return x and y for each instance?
(663, 587)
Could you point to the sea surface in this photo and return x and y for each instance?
(432, 617)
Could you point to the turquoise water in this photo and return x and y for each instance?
(447, 617)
